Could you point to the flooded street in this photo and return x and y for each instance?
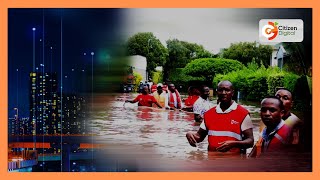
(154, 139)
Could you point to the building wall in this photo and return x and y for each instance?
(139, 64)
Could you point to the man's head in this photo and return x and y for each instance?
(225, 91)
(145, 90)
(286, 97)
(159, 88)
(271, 111)
(204, 90)
(171, 87)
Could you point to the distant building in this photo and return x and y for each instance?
(139, 64)
(74, 115)
(11, 126)
(17, 126)
(159, 68)
(278, 56)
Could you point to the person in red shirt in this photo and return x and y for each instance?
(191, 99)
(145, 99)
(174, 98)
(154, 88)
(165, 87)
(228, 125)
(276, 136)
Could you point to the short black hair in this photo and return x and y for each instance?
(275, 97)
(283, 88)
(202, 88)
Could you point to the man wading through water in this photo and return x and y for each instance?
(228, 125)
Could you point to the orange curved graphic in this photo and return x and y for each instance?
(274, 30)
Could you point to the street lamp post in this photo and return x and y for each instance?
(34, 61)
(92, 54)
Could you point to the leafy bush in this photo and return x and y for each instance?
(208, 67)
(137, 79)
(157, 77)
(274, 81)
(256, 82)
(178, 77)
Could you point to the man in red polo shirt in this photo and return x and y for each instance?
(145, 99)
(228, 125)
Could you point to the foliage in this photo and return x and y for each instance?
(246, 52)
(208, 67)
(147, 45)
(137, 79)
(181, 53)
(157, 77)
(256, 83)
(296, 60)
(178, 77)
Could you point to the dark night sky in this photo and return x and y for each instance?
(83, 31)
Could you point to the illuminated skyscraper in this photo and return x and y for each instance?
(74, 114)
(44, 115)
(46, 108)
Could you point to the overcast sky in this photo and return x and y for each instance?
(212, 28)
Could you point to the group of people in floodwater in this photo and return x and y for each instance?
(228, 125)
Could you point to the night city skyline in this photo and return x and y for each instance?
(35, 34)
(69, 77)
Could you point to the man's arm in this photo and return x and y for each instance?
(178, 96)
(247, 142)
(198, 118)
(158, 104)
(134, 100)
(166, 101)
(196, 137)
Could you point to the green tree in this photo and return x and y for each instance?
(147, 45)
(245, 52)
(296, 61)
(181, 53)
(208, 67)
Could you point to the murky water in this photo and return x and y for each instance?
(155, 138)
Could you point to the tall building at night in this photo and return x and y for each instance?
(47, 114)
(74, 114)
(17, 126)
(43, 100)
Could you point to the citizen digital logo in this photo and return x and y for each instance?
(281, 30)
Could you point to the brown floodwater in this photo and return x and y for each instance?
(152, 139)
